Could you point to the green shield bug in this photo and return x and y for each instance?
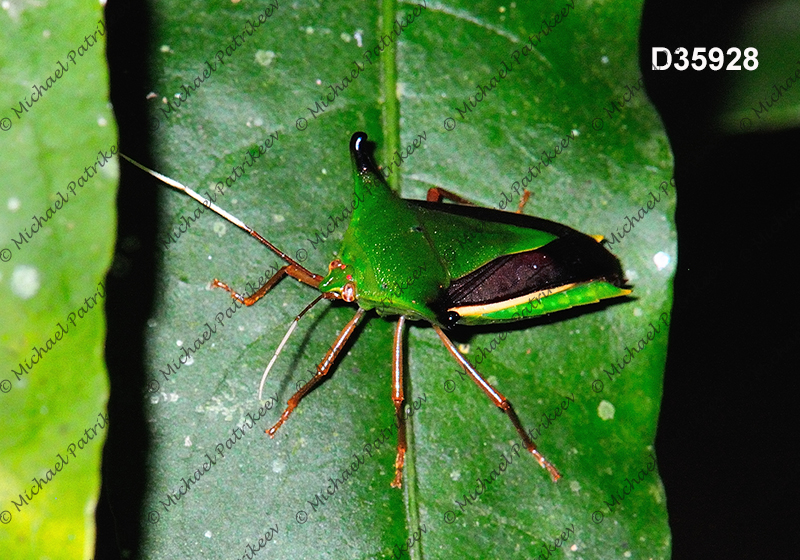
(445, 264)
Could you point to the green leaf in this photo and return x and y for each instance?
(765, 96)
(56, 240)
(263, 85)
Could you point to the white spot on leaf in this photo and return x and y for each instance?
(605, 410)
(25, 281)
(661, 259)
(265, 58)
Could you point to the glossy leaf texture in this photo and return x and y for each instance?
(267, 80)
(57, 215)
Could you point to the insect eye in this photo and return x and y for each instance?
(451, 318)
(349, 292)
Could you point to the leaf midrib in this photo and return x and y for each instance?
(391, 142)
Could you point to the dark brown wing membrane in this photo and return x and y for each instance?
(571, 259)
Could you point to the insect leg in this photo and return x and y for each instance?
(526, 194)
(296, 272)
(397, 397)
(500, 401)
(437, 194)
(323, 369)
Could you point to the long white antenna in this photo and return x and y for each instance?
(308, 277)
(187, 190)
(230, 217)
(283, 342)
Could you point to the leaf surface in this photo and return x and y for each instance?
(269, 82)
(57, 215)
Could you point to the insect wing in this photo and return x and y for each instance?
(506, 267)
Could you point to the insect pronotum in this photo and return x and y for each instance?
(514, 267)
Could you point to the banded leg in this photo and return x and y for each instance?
(295, 271)
(323, 369)
(397, 397)
(500, 401)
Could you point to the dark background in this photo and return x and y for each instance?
(726, 442)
